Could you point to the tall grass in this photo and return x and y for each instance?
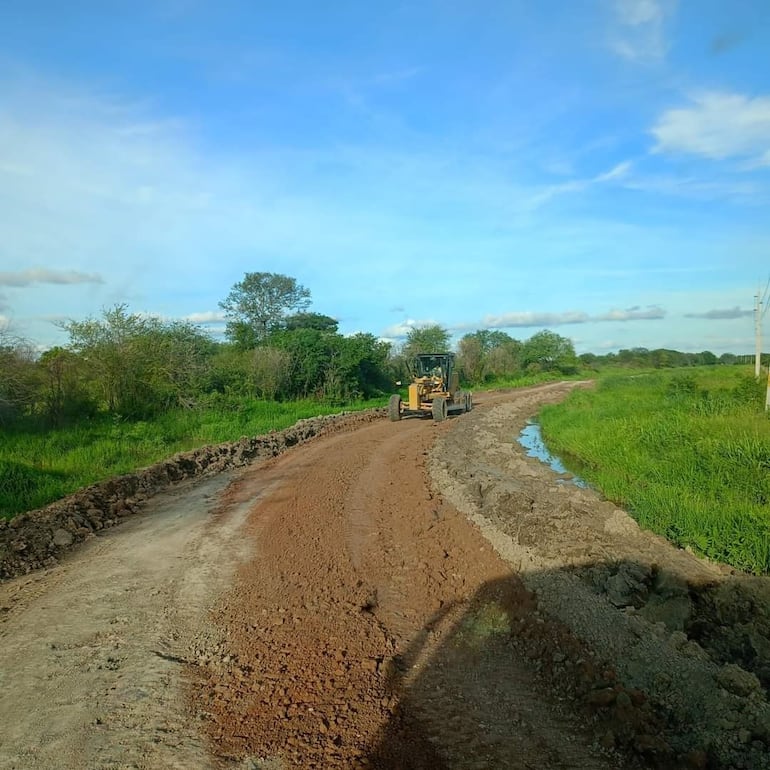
(687, 454)
(39, 466)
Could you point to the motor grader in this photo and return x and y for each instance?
(434, 390)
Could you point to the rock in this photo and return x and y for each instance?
(629, 586)
(697, 760)
(674, 612)
(651, 744)
(737, 681)
(607, 740)
(601, 698)
(620, 523)
(62, 538)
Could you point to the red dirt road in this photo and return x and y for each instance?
(351, 639)
(333, 608)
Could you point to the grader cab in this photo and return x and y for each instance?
(434, 390)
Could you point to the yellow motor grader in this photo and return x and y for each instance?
(434, 390)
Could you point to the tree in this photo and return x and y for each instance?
(426, 339)
(19, 381)
(258, 303)
(317, 321)
(363, 365)
(489, 353)
(271, 368)
(472, 358)
(548, 351)
(65, 391)
(139, 365)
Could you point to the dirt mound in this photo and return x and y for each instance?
(40, 538)
(691, 635)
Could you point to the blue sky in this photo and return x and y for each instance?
(597, 168)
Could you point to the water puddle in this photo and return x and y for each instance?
(532, 440)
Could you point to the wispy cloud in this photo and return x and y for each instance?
(653, 313)
(42, 275)
(639, 31)
(206, 317)
(530, 319)
(721, 314)
(718, 125)
(400, 330)
(617, 172)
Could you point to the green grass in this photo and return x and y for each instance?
(40, 466)
(525, 380)
(687, 453)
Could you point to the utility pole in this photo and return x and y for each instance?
(757, 335)
(767, 392)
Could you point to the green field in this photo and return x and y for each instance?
(686, 452)
(39, 466)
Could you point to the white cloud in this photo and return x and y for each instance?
(42, 275)
(633, 314)
(401, 330)
(206, 317)
(639, 32)
(718, 125)
(721, 314)
(529, 319)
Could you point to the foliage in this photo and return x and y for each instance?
(688, 455)
(330, 366)
(137, 365)
(258, 303)
(317, 321)
(548, 351)
(19, 378)
(659, 358)
(485, 355)
(426, 339)
(38, 466)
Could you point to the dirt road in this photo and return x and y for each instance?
(410, 595)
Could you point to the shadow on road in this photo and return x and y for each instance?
(499, 682)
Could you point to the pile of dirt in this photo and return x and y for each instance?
(692, 637)
(40, 538)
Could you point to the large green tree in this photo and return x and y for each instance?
(426, 339)
(489, 353)
(549, 351)
(258, 303)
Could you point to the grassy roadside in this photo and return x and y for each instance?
(40, 466)
(687, 452)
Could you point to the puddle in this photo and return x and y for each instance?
(532, 440)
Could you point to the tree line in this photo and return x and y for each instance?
(135, 366)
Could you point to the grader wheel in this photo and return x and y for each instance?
(394, 407)
(439, 409)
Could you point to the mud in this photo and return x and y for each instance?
(386, 595)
